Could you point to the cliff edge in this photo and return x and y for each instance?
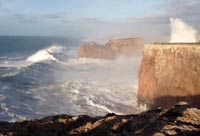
(170, 73)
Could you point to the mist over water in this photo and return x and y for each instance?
(52, 80)
(182, 32)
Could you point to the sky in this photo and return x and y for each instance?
(96, 19)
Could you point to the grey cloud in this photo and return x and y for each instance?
(152, 27)
(54, 16)
(184, 7)
(92, 20)
(188, 10)
(155, 27)
(152, 19)
(22, 18)
(32, 17)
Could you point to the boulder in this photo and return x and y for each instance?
(112, 49)
(169, 73)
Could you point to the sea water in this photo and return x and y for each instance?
(41, 76)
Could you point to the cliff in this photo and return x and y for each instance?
(94, 50)
(170, 73)
(180, 120)
(112, 49)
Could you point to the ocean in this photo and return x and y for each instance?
(42, 76)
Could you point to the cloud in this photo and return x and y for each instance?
(184, 7)
(29, 18)
(187, 10)
(151, 27)
(57, 15)
(155, 27)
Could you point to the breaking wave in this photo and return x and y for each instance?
(46, 84)
(45, 54)
(182, 32)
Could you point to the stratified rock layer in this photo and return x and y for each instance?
(113, 49)
(170, 73)
(180, 120)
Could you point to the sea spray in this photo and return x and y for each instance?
(182, 32)
(45, 54)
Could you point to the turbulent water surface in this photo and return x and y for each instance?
(42, 76)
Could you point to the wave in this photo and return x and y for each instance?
(52, 53)
(38, 67)
(16, 65)
(71, 97)
(8, 71)
(2, 57)
(40, 72)
(99, 106)
(48, 82)
(45, 54)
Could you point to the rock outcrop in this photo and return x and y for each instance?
(170, 73)
(114, 48)
(180, 120)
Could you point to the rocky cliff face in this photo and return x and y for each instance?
(114, 48)
(170, 73)
(94, 50)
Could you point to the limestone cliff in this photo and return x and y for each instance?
(94, 50)
(170, 73)
(126, 47)
(112, 49)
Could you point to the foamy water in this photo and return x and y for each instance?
(48, 83)
(45, 54)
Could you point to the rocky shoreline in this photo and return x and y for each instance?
(181, 120)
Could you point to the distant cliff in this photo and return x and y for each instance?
(112, 49)
(170, 73)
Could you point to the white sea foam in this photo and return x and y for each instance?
(91, 103)
(45, 54)
(182, 32)
(9, 74)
